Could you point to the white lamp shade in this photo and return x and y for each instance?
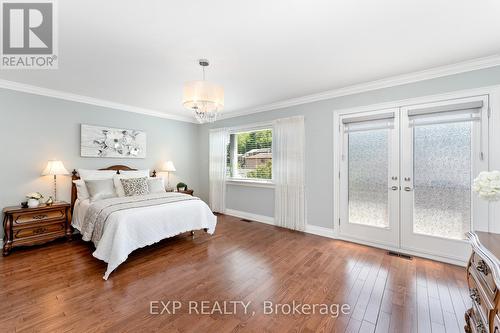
(55, 168)
(169, 166)
(203, 96)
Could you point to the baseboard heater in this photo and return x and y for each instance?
(401, 255)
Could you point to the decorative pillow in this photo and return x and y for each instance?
(81, 189)
(127, 174)
(135, 186)
(118, 184)
(100, 189)
(156, 185)
(86, 174)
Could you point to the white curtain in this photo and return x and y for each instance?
(288, 172)
(219, 139)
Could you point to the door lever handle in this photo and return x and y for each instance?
(394, 188)
(407, 189)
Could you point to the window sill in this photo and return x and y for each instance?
(252, 183)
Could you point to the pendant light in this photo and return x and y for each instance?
(205, 99)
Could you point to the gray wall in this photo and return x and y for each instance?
(34, 129)
(237, 198)
(319, 140)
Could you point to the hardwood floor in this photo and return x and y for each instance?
(59, 287)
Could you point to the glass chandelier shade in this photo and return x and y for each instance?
(204, 98)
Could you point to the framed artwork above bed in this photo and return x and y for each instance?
(98, 141)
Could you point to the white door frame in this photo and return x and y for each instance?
(450, 248)
(386, 236)
(484, 224)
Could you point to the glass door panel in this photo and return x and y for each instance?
(369, 177)
(442, 179)
(368, 168)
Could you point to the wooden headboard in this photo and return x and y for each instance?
(75, 176)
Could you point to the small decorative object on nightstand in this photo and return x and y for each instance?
(33, 199)
(181, 186)
(32, 226)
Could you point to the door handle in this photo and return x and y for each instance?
(407, 188)
(394, 188)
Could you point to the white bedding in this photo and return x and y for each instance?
(128, 230)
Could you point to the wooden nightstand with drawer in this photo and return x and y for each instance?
(32, 226)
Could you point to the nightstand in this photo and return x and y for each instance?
(190, 192)
(32, 226)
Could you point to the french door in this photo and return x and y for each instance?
(406, 173)
(369, 177)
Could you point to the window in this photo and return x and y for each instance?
(250, 156)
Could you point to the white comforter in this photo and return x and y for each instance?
(128, 230)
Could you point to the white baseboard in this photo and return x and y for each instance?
(320, 231)
(330, 233)
(327, 232)
(250, 216)
(452, 261)
(310, 229)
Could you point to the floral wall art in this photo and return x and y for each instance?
(97, 141)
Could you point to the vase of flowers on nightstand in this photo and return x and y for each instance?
(487, 185)
(34, 199)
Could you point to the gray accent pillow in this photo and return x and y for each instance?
(135, 186)
(100, 189)
(156, 185)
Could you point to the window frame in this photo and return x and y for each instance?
(256, 182)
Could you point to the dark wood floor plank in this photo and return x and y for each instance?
(59, 288)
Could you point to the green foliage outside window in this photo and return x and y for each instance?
(251, 163)
(262, 171)
(254, 140)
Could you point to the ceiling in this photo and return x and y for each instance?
(139, 53)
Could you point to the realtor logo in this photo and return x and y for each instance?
(28, 35)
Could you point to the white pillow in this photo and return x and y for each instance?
(82, 192)
(156, 185)
(81, 189)
(86, 174)
(100, 189)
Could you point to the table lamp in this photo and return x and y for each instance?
(168, 167)
(55, 168)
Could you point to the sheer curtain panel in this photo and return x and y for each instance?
(219, 139)
(288, 172)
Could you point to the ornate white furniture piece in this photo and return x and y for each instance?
(483, 278)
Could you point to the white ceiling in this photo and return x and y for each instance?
(140, 53)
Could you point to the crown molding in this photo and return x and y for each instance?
(432, 73)
(36, 90)
(428, 74)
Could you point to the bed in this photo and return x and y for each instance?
(118, 226)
